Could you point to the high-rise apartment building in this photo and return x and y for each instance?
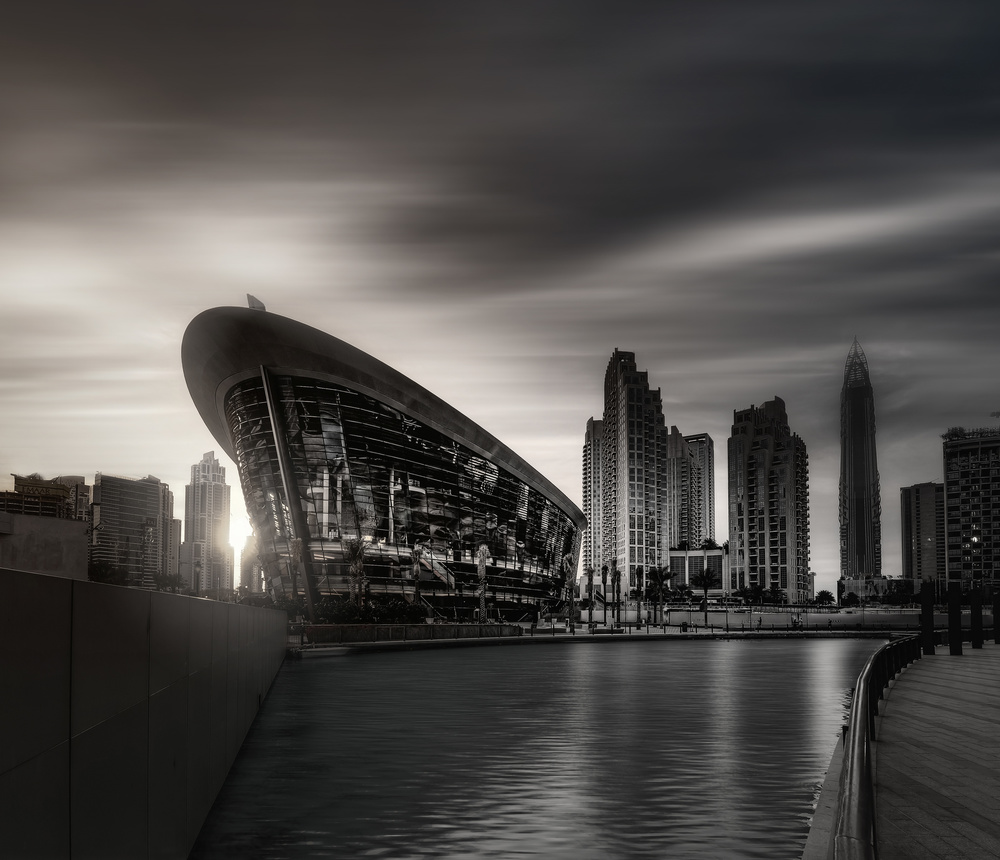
(768, 503)
(682, 493)
(132, 527)
(972, 504)
(593, 455)
(632, 484)
(860, 496)
(923, 540)
(642, 483)
(704, 453)
(206, 555)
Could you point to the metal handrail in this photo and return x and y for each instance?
(854, 836)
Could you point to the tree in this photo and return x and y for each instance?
(824, 598)
(705, 579)
(775, 594)
(293, 606)
(850, 599)
(168, 582)
(658, 586)
(105, 571)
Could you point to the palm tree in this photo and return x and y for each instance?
(659, 584)
(825, 598)
(705, 579)
(775, 594)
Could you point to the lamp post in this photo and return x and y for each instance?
(604, 591)
(590, 595)
(639, 578)
(616, 585)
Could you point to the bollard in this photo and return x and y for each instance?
(955, 619)
(927, 617)
(976, 604)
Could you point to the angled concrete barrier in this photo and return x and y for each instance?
(122, 711)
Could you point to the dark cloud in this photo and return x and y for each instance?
(553, 133)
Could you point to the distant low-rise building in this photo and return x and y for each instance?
(38, 530)
(686, 566)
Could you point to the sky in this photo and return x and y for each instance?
(492, 197)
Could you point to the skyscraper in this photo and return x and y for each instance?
(860, 498)
(132, 526)
(206, 555)
(682, 485)
(643, 484)
(922, 508)
(704, 452)
(632, 484)
(768, 503)
(593, 454)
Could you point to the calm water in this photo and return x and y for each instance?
(602, 750)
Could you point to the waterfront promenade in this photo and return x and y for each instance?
(937, 759)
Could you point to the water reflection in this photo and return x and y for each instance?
(603, 750)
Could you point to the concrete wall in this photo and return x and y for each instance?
(43, 545)
(121, 712)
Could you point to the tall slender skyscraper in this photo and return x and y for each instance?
(593, 455)
(860, 496)
(704, 452)
(206, 555)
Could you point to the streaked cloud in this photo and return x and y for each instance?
(492, 198)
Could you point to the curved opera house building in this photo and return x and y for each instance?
(342, 458)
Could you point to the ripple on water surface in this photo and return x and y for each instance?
(597, 750)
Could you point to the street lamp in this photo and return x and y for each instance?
(604, 591)
(590, 594)
(616, 585)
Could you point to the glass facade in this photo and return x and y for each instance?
(327, 470)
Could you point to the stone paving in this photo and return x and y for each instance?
(937, 759)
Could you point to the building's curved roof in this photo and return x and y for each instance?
(223, 346)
